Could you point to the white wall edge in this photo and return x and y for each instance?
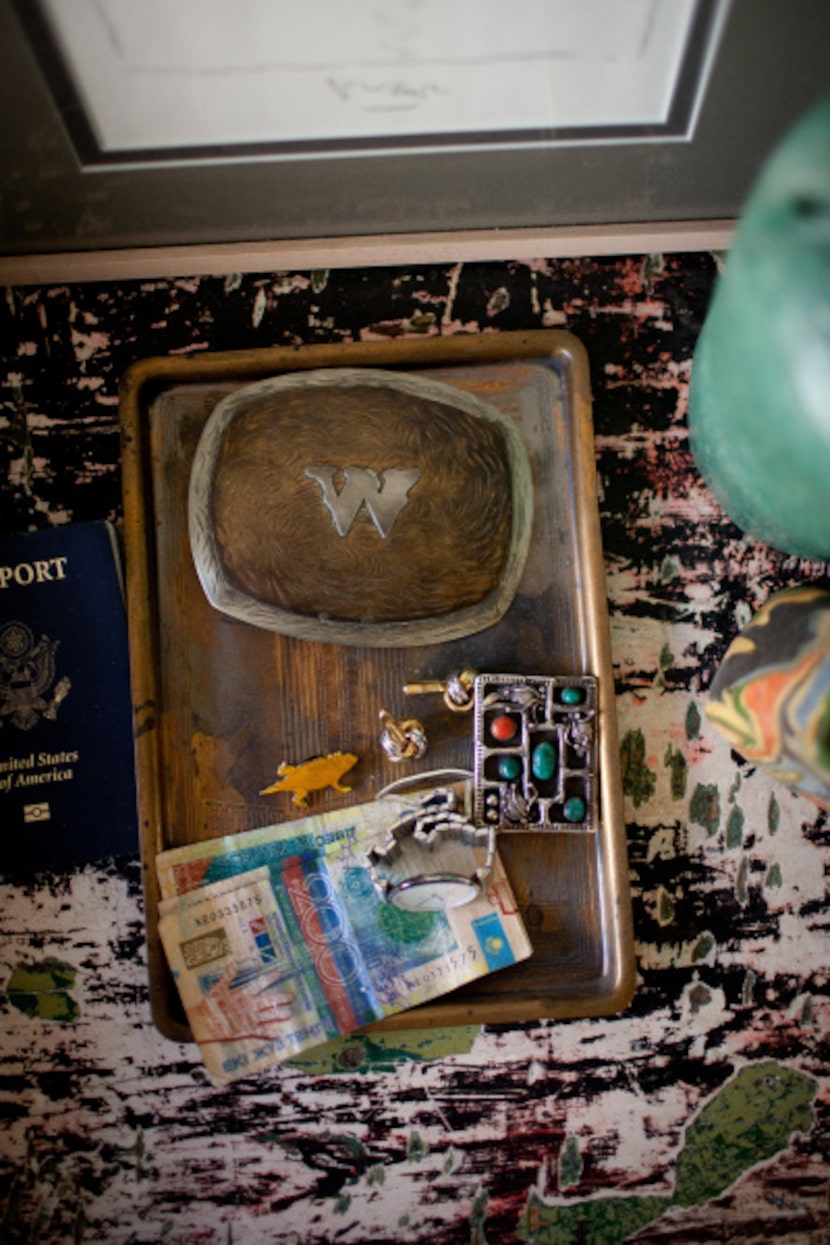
(372, 251)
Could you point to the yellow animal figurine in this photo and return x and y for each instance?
(312, 775)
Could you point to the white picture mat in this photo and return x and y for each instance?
(206, 73)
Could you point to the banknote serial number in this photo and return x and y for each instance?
(448, 966)
(237, 908)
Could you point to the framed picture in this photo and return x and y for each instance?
(139, 125)
(202, 80)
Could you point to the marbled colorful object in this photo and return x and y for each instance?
(771, 696)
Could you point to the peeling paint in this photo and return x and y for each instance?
(110, 1131)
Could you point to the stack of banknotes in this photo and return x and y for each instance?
(278, 940)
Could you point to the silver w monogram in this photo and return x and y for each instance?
(384, 495)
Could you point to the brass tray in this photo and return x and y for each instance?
(220, 703)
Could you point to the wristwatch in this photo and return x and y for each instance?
(435, 820)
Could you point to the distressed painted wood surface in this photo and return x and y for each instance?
(700, 1114)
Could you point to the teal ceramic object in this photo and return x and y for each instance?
(759, 406)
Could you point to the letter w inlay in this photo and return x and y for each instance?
(384, 495)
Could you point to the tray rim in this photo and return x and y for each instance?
(138, 384)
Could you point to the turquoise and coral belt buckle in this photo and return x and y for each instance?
(535, 748)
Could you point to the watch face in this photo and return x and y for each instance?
(433, 894)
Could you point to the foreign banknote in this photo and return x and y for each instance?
(278, 940)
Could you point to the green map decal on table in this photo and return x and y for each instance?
(384, 1052)
(747, 1122)
(44, 991)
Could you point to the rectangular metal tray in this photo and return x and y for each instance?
(208, 688)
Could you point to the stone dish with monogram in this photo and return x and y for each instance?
(360, 506)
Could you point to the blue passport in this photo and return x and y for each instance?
(67, 771)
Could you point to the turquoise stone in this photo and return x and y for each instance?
(510, 767)
(572, 695)
(544, 761)
(574, 809)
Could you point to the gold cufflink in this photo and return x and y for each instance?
(402, 741)
(457, 690)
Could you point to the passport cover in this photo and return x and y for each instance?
(67, 772)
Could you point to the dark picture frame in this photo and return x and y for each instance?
(771, 66)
